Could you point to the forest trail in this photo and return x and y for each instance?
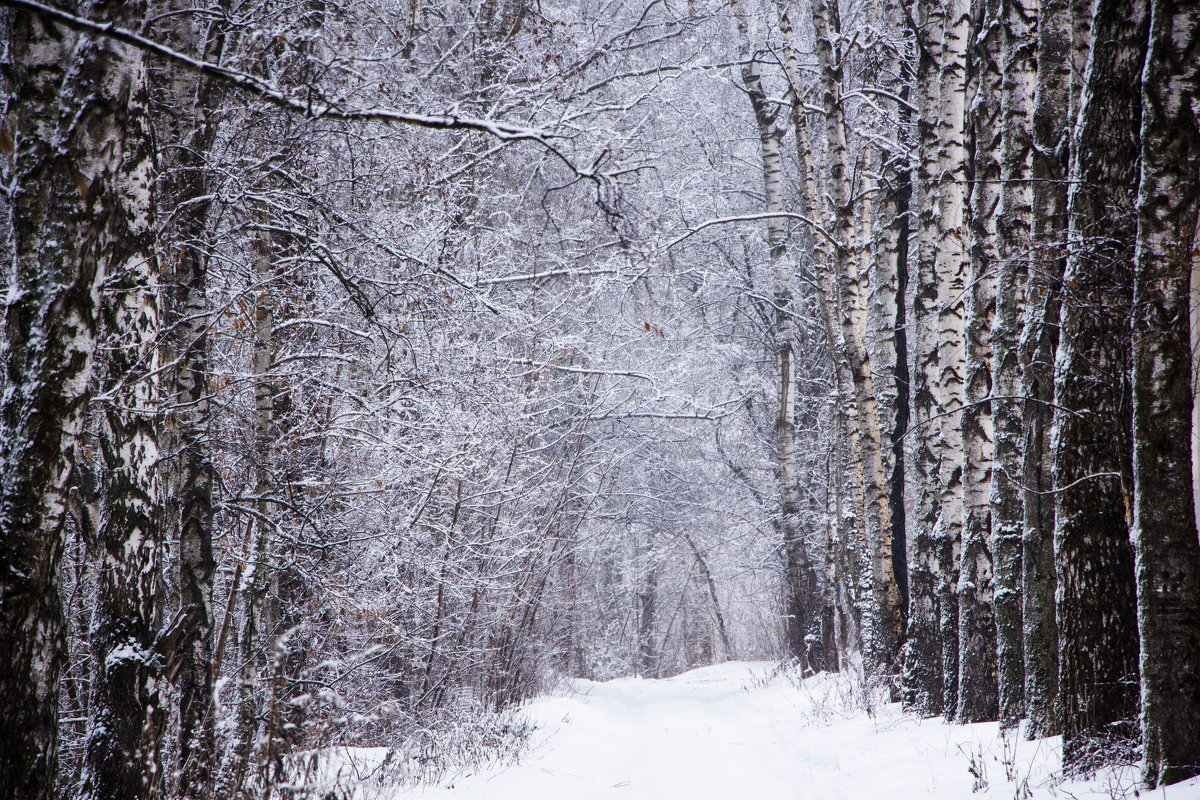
(741, 731)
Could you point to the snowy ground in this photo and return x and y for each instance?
(740, 731)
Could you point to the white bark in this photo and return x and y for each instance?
(976, 623)
(951, 262)
(882, 644)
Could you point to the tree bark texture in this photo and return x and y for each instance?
(977, 699)
(951, 262)
(49, 339)
(123, 756)
(1017, 65)
(1164, 522)
(1038, 344)
(84, 227)
(899, 166)
(922, 680)
(1095, 595)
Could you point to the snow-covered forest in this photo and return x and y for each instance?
(371, 368)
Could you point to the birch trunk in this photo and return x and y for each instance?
(49, 338)
(899, 166)
(1039, 341)
(188, 118)
(1164, 521)
(248, 744)
(951, 261)
(127, 716)
(977, 700)
(843, 564)
(1098, 646)
(881, 646)
(923, 679)
(1018, 54)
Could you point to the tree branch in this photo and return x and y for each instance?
(743, 218)
(314, 106)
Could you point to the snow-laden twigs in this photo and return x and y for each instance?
(309, 101)
(747, 218)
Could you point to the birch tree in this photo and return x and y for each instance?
(1164, 523)
(1050, 136)
(951, 261)
(50, 334)
(884, 638)
(895, 273)
(123, 757)
(86, 227)
(801, 582)
(1095, 595)
(924, 678)
(188, 115)
(976, 622)
(1013, 243)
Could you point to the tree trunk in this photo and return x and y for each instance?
(1164, 521)
(1039, 341)
(706, 574)
(127, 717)
(647, 596)
(1096, 609)
(801, 577)
(49, 338)
(1018, 54)
(882, 644)
(951, 260)
(923, 679)
(899, 165)
(247, 744)
(187, 114)
(977, 699)
(84, 215)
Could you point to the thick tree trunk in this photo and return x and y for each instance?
(49, 338)
(1039, 341)
(951, 260)
(923, 679)
(84, 216)
(1164, 521)
(1017, 64)
(1096, 610)
(977, 700)
(127, 714)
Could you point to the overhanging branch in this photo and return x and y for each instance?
(746, 218)
(309, 106)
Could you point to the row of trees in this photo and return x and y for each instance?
(1045, 160)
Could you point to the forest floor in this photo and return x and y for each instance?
(746, 731)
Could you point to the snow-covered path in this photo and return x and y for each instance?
(739, 732)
